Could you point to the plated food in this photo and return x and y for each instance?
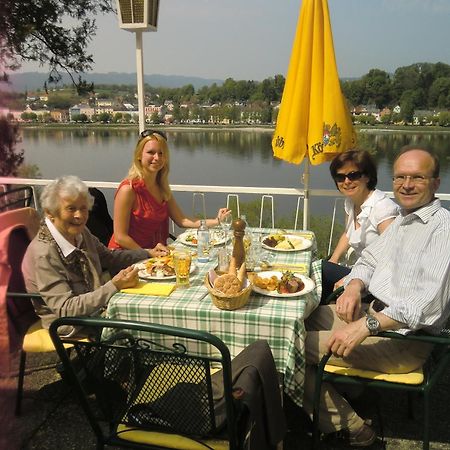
(282, 284)
(285, 242)
(189, 237)
(159, 268)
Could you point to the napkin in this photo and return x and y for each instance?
(143, 288)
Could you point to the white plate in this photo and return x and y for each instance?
(144, 275)
(309, 285)
(303, 243)
(215, 236)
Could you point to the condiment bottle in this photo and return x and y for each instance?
(203, 243)
(238, 226)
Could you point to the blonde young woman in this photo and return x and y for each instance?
(144, 200)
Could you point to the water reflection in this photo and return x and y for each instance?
(219, 157)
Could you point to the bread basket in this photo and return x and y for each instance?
(223, 301)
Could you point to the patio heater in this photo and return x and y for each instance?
(138, 16)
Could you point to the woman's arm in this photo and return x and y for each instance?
(341, 247)
(178, 216)
(381, 227)
(123, 204)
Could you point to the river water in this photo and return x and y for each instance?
(211, 157)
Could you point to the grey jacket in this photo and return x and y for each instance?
(64, 292)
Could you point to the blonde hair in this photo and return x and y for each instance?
(162, 178)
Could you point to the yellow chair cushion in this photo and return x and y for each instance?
(37, 339)
(174, 441)
(415, 377)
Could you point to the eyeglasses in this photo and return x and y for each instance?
(416, 179)
(352, 176)
(146, 133)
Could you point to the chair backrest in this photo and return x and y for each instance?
(16, 198)
(100, 223)
(149, 376)
(16, 315)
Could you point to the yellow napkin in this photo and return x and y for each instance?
(300, 267)
(144, 288)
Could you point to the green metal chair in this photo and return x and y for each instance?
(152, 384)
(421, 381)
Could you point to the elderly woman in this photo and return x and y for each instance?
(368, 211)
(64, 262)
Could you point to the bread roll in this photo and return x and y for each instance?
(228, 284)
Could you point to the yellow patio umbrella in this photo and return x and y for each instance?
(313, 122)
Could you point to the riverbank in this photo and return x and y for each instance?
(250, 128)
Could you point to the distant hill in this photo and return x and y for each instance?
(35, 80)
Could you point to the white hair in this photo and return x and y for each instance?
(67, 186)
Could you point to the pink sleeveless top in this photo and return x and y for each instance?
(149, 220)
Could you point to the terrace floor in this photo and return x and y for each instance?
(52, 419)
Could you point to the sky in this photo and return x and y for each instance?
(252, 39)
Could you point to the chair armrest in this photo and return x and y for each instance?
(334, 295)
(23, 295)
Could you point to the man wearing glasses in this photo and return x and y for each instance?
(407, 270)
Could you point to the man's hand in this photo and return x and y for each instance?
(344, 340)
(158, 250)
(126, 278)
(348, 305)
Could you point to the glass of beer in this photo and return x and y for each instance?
(182, 266)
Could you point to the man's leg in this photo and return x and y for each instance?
(380, 354)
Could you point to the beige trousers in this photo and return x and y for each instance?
(375, 353)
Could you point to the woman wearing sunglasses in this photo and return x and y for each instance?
(369, 211)
(144, 200)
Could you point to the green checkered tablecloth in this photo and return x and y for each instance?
(277, 320)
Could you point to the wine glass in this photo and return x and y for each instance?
(225, 224)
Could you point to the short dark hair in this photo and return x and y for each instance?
(362, 159)
(434, 157)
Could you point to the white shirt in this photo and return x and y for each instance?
(408, 268)
(66, 247)
(377, 208)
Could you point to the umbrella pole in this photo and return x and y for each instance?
(306, 195)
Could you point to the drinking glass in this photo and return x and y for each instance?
(225, 224)
(182, 265)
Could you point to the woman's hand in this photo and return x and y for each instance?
(158, 250)
(126, 278)
(222, 213)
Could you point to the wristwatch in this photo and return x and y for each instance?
(372, 324)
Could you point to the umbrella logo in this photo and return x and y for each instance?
(332, 135)
(279, 142)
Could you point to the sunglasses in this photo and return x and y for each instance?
(146, 133)
(352, 176)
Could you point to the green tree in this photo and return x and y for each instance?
(154, 118)
(10, 158)
(29, 116)
(118, 117)
(104, 117)
(439, 93)
(444, 119)
(377, 88)
(80, 118)
(35, 31)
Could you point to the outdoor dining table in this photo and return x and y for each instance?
(280, 321)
